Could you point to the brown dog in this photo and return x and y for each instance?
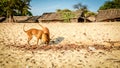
(45, 35)
(38, 33)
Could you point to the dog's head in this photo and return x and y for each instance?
(45, 38)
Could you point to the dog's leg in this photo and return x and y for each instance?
(38, 37)
(37, 41)
(29, 38)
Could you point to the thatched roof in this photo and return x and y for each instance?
(51, 16)
(77, 14)
(91, 18)
(58, 16)
(108, 14)
(30, 19)
(19, 18)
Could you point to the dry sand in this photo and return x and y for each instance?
(73, 45)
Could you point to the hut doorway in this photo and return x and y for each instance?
(80, 20)
(117, 19)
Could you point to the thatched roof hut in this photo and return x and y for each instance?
(22, 19)
(78, 16)
(108, 15)
(57, 17)
(47, 17)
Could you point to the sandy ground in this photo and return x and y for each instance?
(73, 45)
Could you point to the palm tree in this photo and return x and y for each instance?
(10, 9)
(2, 13)
(24, 7)
(14, 7)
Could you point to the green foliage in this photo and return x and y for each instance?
(14, 7)
(9, 8)
(114, 4)
(58, 10)
(89, 13)
(64, 10)
(66, 14)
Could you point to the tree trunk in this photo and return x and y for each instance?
(11, 19)
(69, 20)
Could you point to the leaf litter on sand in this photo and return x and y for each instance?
(66, 47)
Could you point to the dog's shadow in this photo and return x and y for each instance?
(57, 40)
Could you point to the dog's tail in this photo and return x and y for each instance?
(24, 28)
(41, 26)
